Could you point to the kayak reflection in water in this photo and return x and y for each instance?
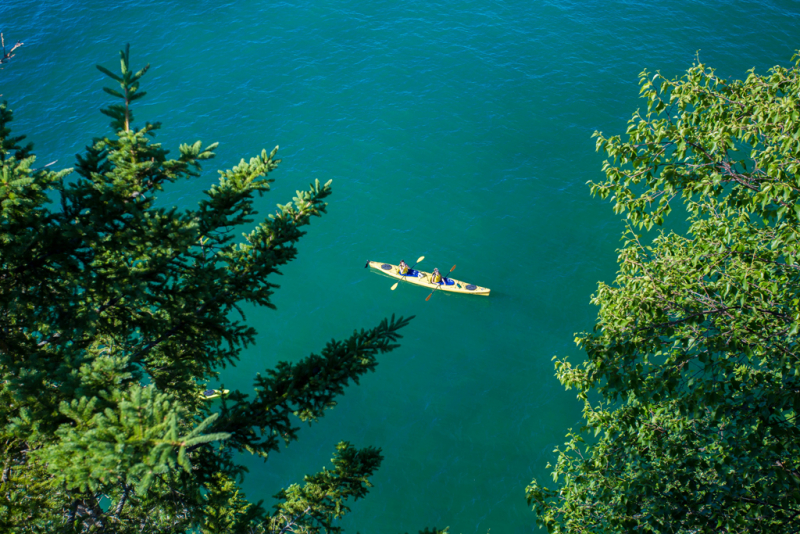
(402, 268)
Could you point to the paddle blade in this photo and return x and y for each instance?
(453, 268)
(429, 297)
(420, 259)
(395, 286)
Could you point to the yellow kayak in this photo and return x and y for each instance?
(423, 279)
(212, 393)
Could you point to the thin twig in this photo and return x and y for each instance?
(8, 55)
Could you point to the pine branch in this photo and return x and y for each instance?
(303, 390)
(313, 507)
(122, 500)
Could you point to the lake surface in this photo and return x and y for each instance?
(455, 130)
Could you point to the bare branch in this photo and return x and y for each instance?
(8, 55)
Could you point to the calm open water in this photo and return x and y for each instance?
(455, 130)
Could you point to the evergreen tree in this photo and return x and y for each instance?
(691, 386)
(114, 315)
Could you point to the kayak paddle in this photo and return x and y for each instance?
(415, 264)
(440, 285)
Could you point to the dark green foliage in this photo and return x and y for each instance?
(311, 508)
(695, 353)
(110, 292)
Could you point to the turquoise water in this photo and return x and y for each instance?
(455, 130)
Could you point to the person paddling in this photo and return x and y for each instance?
(436, 277)
(402, 268)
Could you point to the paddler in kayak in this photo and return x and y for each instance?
(436, 276)
(402, 268)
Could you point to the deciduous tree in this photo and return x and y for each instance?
(691, 384)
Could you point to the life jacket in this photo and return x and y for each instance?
(436, 278)
(403, 269)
